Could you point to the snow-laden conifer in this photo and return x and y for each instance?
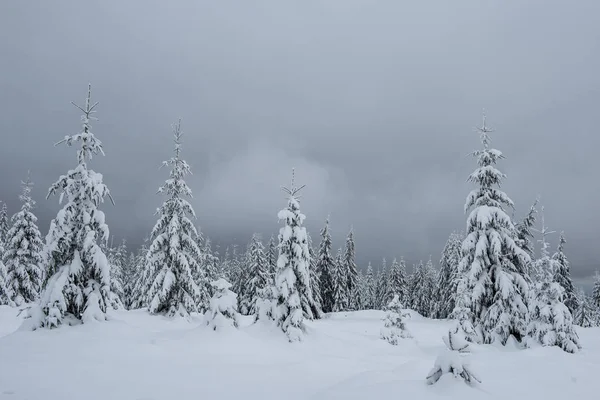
(420, 300)
(562, 275)
(394, 326)
(524, 231)
(351, 270)
(448, 277)
(383, 295)
(210, 266)
(129, 278)
(258, 268)
(452, 362)
(326, 269)
(116, 259)
(292, 280)
(78, 285)
(4, 295)
(272, 256)
(550, 321)
(585, 315)
(596, 290)
(397, 279)
(315, 288)
(23, 252)
(139, 298)
(494, 264)
(4, 226)
(222, 313)
(173, 257)
(368, 298)
(431, 278)
(340, 284)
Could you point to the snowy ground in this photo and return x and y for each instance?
(141, 357)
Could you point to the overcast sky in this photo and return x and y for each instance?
(373, 102)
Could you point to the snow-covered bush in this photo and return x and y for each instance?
(394, 326)
(223, 307)
(452, 362)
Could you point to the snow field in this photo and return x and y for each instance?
(136, 356)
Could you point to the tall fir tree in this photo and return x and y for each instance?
(315, 288)
(4, 295)
(550, 321)
(172, 261)
(360, 292)
(586, 313)
(494, 264)
(129, 278)
(562, 275)
(397, 280)
(448, 277)
(326, 269)
(596, 290)
(430, 286)
(78, 285)
(368, 297)
(22, 255)
(340, 283)
(4, 226)
(420, 301)
(292, 280)
(258, 276)
(211, 268)
(351, 270)
(139, 298)
(383, 295)
(524, 231)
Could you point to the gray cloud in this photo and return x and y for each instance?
(373, 103)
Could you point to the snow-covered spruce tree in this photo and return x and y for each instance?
(596, 290)
(420, 301)
(394, 327)
(173, 257)
(210, 266)
(340, 284)
(326, 269)
(585, 313)
(272, 256)
(550, 322)
(494, 264)
(78, 285)
(315, 289)
(292, 280)
(351, 270)
(4, 225)
(383, 293)
(129, 278)
(447, 278)
(258, 276)
(116, 260)
(139, 298)
(524, 231)
(369, 289)
(463, 331)
(431, 276)
(4, 295)
(562, 275)
(397, 280)
(22, 256)
(222, 313)
(360, 291)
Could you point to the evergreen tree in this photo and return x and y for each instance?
(22, 252)
(222, 312)
(116, 260)
(563, 275)
(397, 280)
(585, 315)
(78, 286)
(211, 268)
(272, 257)
(448, 277)
(326, 269)
(292, 280)
(340, 284)
(258, 276)
(139, 298)
(551, 323)
(494, 264)
(430, 286)
(315, 289)
(524, 231)
(394, 326)
(383, 295)
(4, 295)
(596, 290)
(4, 226)
(420, 301)
(361, 292)
(369, 291)
(172, 259)
(129, 278)
(351, 270)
